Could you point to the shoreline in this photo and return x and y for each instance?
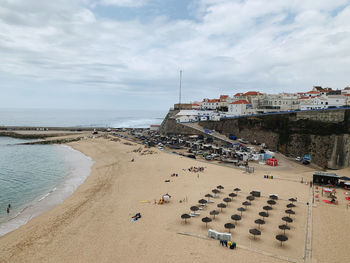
(57, 194)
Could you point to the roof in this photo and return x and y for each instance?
(313, 92)
(325, 174)
(155, 125)
(238, 94)
(223, 96)
(252, 93)
(240, 102)
(213, 100)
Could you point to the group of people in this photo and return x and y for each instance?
(196, 169)
(229, 244)
(164, 199)
(174, 175)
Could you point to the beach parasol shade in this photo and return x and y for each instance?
(206, 220)
(221, 205)
(214, 213)
(290, 212)
(284, 228)
(287, 219)
(227, 200)
(267, 208)
(241, 209)
(220, 187)
(202, 201)
(236, 189)
(263, 215)
(255, 232)
(185, 216)
(236, 217)
(290, 205)
(292, 200)
(215, 191)
(246, 203)
(208, 196)
(229, 226)
(271, 202)
(259, 222)
(281, 238)
(250, 198)
(194, 208)
(232, 195)
(273, 197)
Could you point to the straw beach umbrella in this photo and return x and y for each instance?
(221, 205)
(206, 220)
(202, 201)
(236, 189)
(281, 238)
(236, 218)
(246, 203)
(284, 228)
(290, 205)
(229, 226)
(271, 202)
(292, 200)
(185, 216)
(232, 195)
(263, 215)
(287, 219)
(227, 200)
(220, 187)
(194, 208)
(255, 232)
(290, 212)
(215, 191)
(250, 198)
(241, 209)
(273, 197)
(208, 196)
(214, 213)
(259, 222)
(267, 208)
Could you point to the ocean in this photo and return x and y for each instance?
(80, 118)
(35, 178)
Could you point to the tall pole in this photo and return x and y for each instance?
(180, 90)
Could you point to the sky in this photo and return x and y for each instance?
(127, 54)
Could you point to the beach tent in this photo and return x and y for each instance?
(272, 162)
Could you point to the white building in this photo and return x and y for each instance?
(239, 107)
(210, 104)
(187, 116)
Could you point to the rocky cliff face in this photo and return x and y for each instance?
(325, 135)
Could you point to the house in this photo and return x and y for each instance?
(239, 107)
(210, 104)
(223, 101)
(196, 105)
(187, 116)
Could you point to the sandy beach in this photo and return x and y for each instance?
(93, 225)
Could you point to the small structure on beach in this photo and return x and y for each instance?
(325, 178)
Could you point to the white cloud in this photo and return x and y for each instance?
(124, 3)
(232, 46)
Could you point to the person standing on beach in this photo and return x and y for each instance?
(8, 210)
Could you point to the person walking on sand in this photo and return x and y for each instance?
(8, 210)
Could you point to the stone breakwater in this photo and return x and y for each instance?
(325, 135)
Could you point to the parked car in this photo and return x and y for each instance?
(306, 162)
(298, 159)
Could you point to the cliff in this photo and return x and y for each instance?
(325, 135)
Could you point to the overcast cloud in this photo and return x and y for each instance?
(125, 54)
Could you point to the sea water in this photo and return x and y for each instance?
(80, 118)
(35, 178)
